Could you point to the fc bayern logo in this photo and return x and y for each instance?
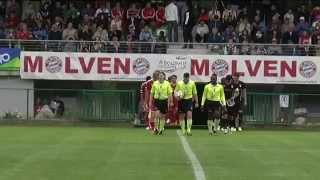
(308, 69)
(53, 64)
(141, 66)
(220, 67)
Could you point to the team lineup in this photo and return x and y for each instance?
(171, 101)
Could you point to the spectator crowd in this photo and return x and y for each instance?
(116, 27)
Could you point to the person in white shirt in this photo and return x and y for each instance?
(171, 14)
(202, 32)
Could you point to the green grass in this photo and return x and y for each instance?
(82, 153)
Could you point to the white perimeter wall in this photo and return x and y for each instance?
(15, 97)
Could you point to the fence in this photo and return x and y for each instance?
(163, 47)
(121, 105)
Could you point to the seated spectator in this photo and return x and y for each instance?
(258, 38)
(117, 11)
(70, 32)
(13, 7)
(129, 46)
(70, 45)
(315, 15)
(54, 34)
(259, 50)
(161, 46)
(12, 21)
(245, 48)
(244, 13)
(88, 10)
(85, 34)
(302, 12)
(273, 35)
(114, 45)
(40, 32)
(290, 37)
(146, 37)
(230, 33)
(160, 16)
(202, 31)
(317, 48)
(44, 10)
(231, 48)
(101, 34)
(103, 16)
(244, 36)
(116, 26)
(274, 49)
(86, 20)
(203, 15)
(289, 16)
(148, 13)
(214, 13)
(215, 22)
(28, 11)
(215, 37)
(23, 32)
(302, 25)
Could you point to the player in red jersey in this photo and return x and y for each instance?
(143, 115)
(173, 116)
(150, 109)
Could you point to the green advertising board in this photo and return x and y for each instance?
(9, 59)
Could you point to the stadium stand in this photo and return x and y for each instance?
(227, 27)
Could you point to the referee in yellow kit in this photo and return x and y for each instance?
(213, 100)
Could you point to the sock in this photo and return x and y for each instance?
(210, 125)
(216, 124)
(183, 126)
(162, 123)
(156, 123)
(189, 125)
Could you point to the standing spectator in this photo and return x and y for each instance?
(302, 12)
(146, 38)
(160, 16)
(187, 27)
(116, 26)
(12, 7)
(214, 13)
(229, 15)
(257, 25)
(57, 10)
(289, 16)
(28, 11)
(55, 33)
(171, 13)
(304, 43)
(70, 32)
(102, 16)
(302, 25)
(88, 10)
(315, 14)
(244, 13)
(286, 26)
(203, 15)
(2, 10)
(12, 21)
(72, 13)
(133, 15)
(117, 11)
(202, 31)
(215, 22)
(148, 13)
(44, 10)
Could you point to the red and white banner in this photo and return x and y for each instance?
(135, 67)
(99, 66)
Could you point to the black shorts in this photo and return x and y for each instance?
(161, 105)
(212, 106)
(185, 105)
(235, 110)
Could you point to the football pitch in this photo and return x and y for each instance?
(87, 153)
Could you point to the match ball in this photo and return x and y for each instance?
(178, 94)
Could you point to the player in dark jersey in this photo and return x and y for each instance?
(240, 100)
(226, 116)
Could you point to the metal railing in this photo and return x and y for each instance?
(163, 47)
(122, 105)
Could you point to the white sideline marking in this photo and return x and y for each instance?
(197, 168)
